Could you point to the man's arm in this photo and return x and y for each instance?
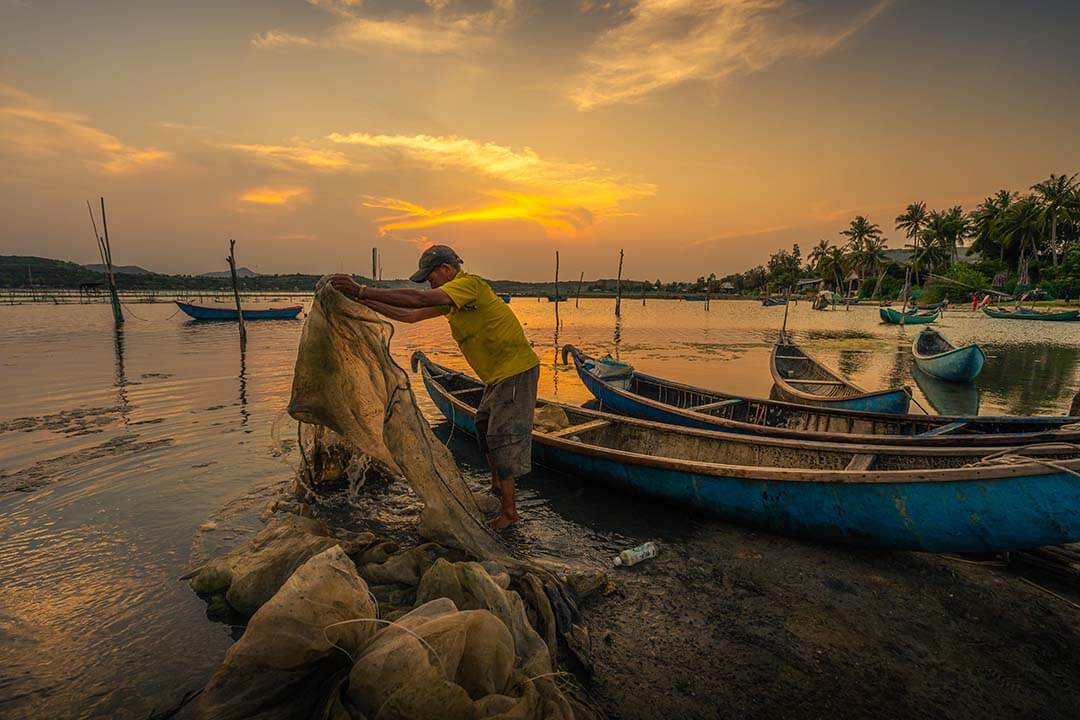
(409, 315)
(401, 298)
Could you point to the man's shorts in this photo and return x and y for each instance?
(504, 423)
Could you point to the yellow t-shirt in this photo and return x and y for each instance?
(486, 330)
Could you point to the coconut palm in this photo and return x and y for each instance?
(1056, 196)
(833, 264)
(859, 231)
(985, 222)
(912, 221)
(816, 254)
(1021, 226)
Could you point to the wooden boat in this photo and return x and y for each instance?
(935, 355)
(800, 378)
(891, 316)
(556, 298)
(934, 306)
(651, 398)
(1029, 314)
(202, 312)
(505, 297)
(773, 302)
(897, 498)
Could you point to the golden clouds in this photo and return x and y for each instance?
(563, 198)
(300, 155)
(440, 26)
(31, 130)
(274, 195)
(669, 42)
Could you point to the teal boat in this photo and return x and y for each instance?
(202, 312)
(892, 317)
(936, 356)
(933, 500)
(799, 377)
(1029, 314)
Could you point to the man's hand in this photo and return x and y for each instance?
(347, 286)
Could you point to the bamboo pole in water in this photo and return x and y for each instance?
(236, 290)
(577, 300)
(618, 288)
(118, 313)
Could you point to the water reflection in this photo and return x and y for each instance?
(119, 374)
(1029, 379)
(245, 416)
(947, 398)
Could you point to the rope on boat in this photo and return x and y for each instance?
(132, 314)
(1015, 456)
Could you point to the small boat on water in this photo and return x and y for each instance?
(1022, 313)
(897, 498)
(505, 297)
(911, 317)
(622, 389)
(937, 356)
(773, 302)
(800, 378)
(203, 312)
(556, 298)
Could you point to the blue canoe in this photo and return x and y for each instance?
(936, 356)
(911, 317)
(860, 495)
(799, 377)
(636, 394)
(773, 302)
(505, 297)
(202, 312)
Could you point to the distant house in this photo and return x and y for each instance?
(811, 284)
(726, 288)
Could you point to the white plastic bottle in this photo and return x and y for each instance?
(635, 555)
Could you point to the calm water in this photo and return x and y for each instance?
(138, 454)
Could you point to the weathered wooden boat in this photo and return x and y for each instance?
(897, 498)
(203, 312)
(935, 355)
(1029, 314)
(556, 298)
(773, 302)
(934, 306)
(799, 377)
(633, 393)
(891, 316)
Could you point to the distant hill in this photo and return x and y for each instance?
(119, 269)
(244, 272)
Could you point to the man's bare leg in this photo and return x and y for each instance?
(508, 514)
(496, 486)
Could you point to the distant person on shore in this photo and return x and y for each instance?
(493, 343)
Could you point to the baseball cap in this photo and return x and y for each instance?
(432, 258)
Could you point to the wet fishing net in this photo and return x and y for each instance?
(347, 384)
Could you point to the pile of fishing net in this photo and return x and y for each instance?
(345, 625)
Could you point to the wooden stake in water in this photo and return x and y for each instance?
(618, 288)
(557, 296)
(114, 295)
(903, 309)
(374, 263)
(236, 290)
(577, 300)
(787, 302)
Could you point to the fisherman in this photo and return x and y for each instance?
(493, 343)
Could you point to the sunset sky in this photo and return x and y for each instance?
(699, 136)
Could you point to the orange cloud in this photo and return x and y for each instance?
(299, 155)
(30, 129)
(274, 196)
(668, 42)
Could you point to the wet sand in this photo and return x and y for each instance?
(735, 624)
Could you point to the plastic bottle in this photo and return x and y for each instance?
(635, 555)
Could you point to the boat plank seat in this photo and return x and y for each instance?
(581, 427)
(816, 382)
(792, 357)
(715, 405)
(861, 461)
(466, 391)
(951, 427)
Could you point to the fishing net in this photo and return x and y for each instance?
(347, 382)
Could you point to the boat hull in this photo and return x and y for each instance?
(1063, 316)
(960, 365)
(201, 312)
(982, 510)
(892, 317)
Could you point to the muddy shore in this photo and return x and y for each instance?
(733, 624)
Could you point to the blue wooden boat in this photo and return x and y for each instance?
(1022, 313)
(202, 312)
(936, 356)
(896, 498)
(505, 297)
(912, 317)
(773, 302)
(648, 397)
(800, 378)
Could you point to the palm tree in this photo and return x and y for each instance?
(833, 264)
(912, 221)
(816, 254)
(1020, 228)
(859, 231)
(1056, 195)
(985, 222)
